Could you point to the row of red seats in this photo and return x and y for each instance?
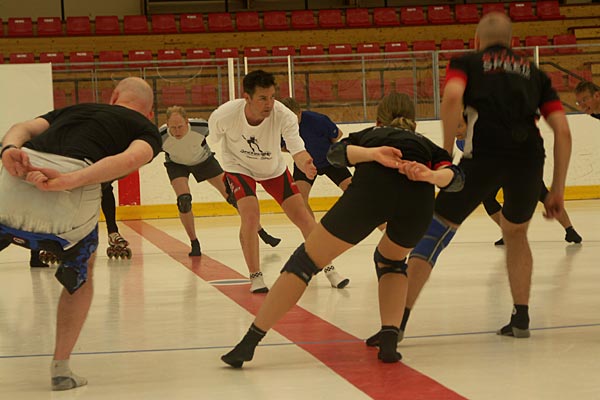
(278, 20)
(173, 57)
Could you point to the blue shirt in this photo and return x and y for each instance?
(317, 132)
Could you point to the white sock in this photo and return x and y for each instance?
(257, 283)
(62, 376)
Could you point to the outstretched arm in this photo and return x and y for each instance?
(305, 162)
(107, 169)
(14, 159)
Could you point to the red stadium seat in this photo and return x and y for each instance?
(558, 80)
(85, 95)
(204, 95)
(303, 19)
(350, 89)
(466, 13)
(275, 20)
(425, 88)
(198, 54)
(385, 16)
(247, 21)
(345, 48)
(452, 44)
(312, 50)
(358, 18)
(107, 25)
(144, 56)
(406, 85)
(440, 15)
(19, 27)
(331, 18)
(280, 53)
(412, 16)
(376, 89)
(562, 40)
(548, 10)
(321, 91)
(191, 23)
(253, 52)
(21, 58)
(49, 26)
(164, 23)
(521, 11)
(76, 57)
(368, 48)
(577, 76)
(226, 52)
(135, 25)
(60, 98)
(173, 96)
(54, 58)
(79, 26)
(220, 22)
(492, 7)
(106, 94)
(424, 45)
(538, 40)
(169, 54)
(395, 47)
(110, 59)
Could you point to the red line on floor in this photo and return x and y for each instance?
(348, 357)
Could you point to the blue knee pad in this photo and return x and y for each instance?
(301, 265)
(437, 237)
(390, 266)
(184, 203)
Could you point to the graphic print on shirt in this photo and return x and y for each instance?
(255, 151)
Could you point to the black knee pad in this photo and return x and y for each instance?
(184, 203)
(301, 265)
(391, 266)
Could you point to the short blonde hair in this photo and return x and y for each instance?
(397, 110)
(176, 110)
(292, 104)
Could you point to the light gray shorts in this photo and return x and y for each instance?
(70, 215)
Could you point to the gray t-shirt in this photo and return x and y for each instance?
(191, 149)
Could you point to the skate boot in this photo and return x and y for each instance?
(47, 257)
(35, 262)
(334, 278)
(117, 247)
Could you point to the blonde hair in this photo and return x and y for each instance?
(397, 110)
(176, 110)
(291, 104)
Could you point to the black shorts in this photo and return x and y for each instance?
(337, 175)
(519, 180)
(207, 169)
(492, 206)
(377, 195)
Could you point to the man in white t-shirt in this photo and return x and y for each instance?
(251, 130)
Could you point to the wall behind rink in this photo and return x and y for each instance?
(158, 198)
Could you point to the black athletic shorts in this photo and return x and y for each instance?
(207, 169)
(337, 175)
(492, 206)
(519, 180)
(376, 195)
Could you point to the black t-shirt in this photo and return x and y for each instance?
(414, 146)
(502, 96)
(94, 131)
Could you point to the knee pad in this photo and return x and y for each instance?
(301, 265)
(390, 266)
(184, 203)
(437, 237)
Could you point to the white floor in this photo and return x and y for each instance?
(160, 321)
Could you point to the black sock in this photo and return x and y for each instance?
(405, 319)
(388, 341)
(569, 229)
(244, 350)
(520, 317)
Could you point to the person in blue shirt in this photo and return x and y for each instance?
(318, 133)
